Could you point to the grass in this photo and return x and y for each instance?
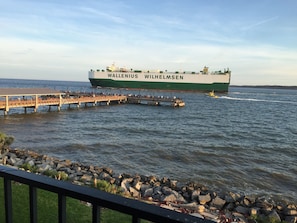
(47, 206)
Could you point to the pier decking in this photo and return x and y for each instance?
(155, 100)
(37, 97)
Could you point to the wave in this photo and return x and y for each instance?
(258, 100)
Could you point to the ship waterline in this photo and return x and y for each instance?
(218, 87)
(184, 81)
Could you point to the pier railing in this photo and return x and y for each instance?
(137, 209)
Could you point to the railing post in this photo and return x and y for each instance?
(135, 219)
(62, 208)
(96, 212)
(8, 200)
(33, 204)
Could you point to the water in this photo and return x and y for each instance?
(244, 141)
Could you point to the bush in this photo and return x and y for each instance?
(59, 175)
(5, 141)
(28, 167)
(107, 187)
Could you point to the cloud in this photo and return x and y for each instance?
(259, 23)
(53, 38)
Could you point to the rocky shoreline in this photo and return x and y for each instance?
(191, 198)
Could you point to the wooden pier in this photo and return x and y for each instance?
(37, 97)
(155, 100)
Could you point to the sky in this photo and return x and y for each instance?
(63, 40)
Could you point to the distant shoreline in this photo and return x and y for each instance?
(231, 85)
(267, 86)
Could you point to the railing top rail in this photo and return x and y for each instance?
(100, 198)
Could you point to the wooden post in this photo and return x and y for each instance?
(60, 103)
(36, 103)
(6, 105)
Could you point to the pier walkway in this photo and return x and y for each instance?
(36, 97)
(155, 100)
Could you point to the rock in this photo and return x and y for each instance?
(290, 212)
(108, 170)
(166, 190)
(190, 206)
(291, 219)
(59, 166)
(195, 195)
(144, 187)
(246, 201)
(170, 197)
(232, 197)
(180, 198)
(86, 178)
(43, 167)
(239, 217)
(11, 161)
(274, 215)
(134, 192)
(254, 211)
(125, 184)
(91, 168)
(157, 193)
(73, 177)
(136, 183)
(152, 179)
(203, 199)
(264, 204)
(31, 162)
(104, 176)
(218, 202)
(77, 169)
(230, 206)
(19, 162)
(67, 162)
(148, 192)
(4, 160)
(242, 210)
(200, 208)
(173, 183)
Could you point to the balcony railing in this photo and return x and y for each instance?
(99, 199)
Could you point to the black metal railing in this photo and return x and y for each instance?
(137, 209)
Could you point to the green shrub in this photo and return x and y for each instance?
(107, 187)
(265, 219)
(5, 141)
(59, 175)
(28, 167)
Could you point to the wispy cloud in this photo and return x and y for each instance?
(259, 23)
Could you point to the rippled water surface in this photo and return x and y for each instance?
(243, 141)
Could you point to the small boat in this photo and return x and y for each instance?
(212, 94)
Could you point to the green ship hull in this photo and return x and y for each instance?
(217, 87)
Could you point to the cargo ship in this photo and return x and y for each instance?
(203, 81)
